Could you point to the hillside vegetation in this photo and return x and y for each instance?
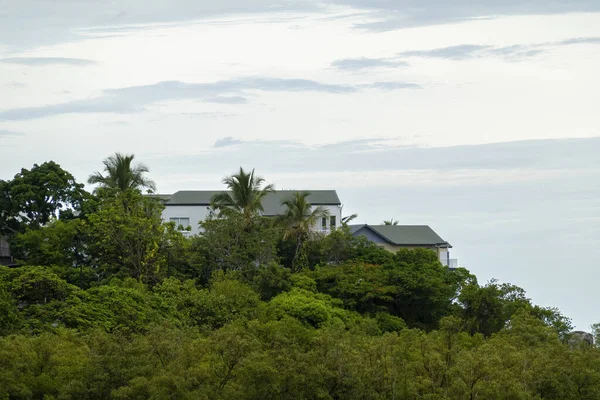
(109, 302)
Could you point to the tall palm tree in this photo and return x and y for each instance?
(297, 220)
(122, 175)
(245, 195)
(390, 222)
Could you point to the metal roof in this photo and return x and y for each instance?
(404, 235)
(271, 203)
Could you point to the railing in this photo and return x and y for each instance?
(450, 263)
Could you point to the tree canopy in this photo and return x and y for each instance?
(114, 303)
(33, 197)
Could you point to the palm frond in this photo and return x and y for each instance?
(349, 218)
(245, 194)
(121, 175)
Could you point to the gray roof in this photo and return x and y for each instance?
(404, 235)
(271, 202)
(163, 197)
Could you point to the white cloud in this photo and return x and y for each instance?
(45, 61)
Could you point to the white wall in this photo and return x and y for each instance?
(333, 211)
(196, 214)
(443, 255)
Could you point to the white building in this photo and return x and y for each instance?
(187, 208)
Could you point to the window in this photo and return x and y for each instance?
(332, 222)
(324, 223)
(181, 223)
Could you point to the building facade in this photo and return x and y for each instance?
(188, 208)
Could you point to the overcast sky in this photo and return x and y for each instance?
(479, 118)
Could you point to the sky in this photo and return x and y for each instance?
(478, 118)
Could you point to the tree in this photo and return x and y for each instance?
(58, 243)
(36, 196)
(122, 175)
(490, 308)
(298, 219)
(390, 222)
(233, 244)
(129, 238)
(245, 195)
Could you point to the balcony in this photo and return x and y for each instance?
(451, 263)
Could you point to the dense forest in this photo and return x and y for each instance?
(107, 301)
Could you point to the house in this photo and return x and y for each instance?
(396, 237)
(187, 208)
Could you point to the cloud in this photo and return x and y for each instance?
(227, 100)
(583, 40)
(361, 155)
(389, 15)
(511, 53)
(45, 61)
(227, 141)
(391, 86)
(64, 20)
(59, 21)
(7, 133)
(356, 64)
(516, 52)
(460, 52)
(136, 98)
(213, 114)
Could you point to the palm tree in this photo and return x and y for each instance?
(298, 219)
(348, 219)
(245, 195)
(390, 222)
(121, 175)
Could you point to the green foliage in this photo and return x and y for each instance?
(413, 286)
(311, 308)
(33, 197)
(128, 237)
(305, 346)
(233, 244)
(10, 318)
(270, 280)
(225, 301)
(487, 309)
(57, 243)
(121, 175)
(35, 285)
(304, 282)
(389, 323)
(122, 306)
(298, 219)
(244, 197)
